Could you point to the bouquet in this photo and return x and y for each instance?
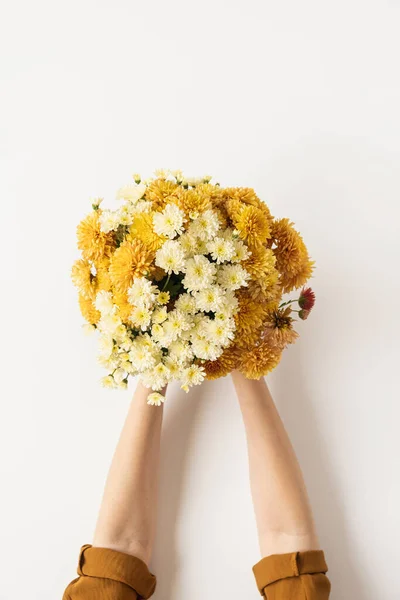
(185, 281)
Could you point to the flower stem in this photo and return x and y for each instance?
(167, 282)
(288, 302)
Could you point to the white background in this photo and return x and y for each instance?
(299, 100)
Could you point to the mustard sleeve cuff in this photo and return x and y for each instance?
(106, 564)
(285, 571)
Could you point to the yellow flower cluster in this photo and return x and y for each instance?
(185, 281)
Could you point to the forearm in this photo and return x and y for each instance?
(127, 515)
(283, 514)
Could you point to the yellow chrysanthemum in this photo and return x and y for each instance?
(93, 243)
(130, 260)
(103, 279)
(261, 263)
(278, 331)
(191, 201)
(158, 191)
(249, 320)
(142, 229)
(83, 278)
(246, 196)
(292, 259)
(267, 292)
(227, 362)
(252, 224)
(259, 361)
(125, 308)
(88, 310)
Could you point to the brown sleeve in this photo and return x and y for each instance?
(297, 575)
(110, 575)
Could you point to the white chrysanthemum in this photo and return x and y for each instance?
(221, 333)
(109, 324)
(205, 226)
(119, 375)
(199, 273)
(189, 244)
(157, 378)
(186, 303)
(221, 317)
(181, 351)
(104, 302)
(141, 357)
(121, 334)
(141, 317)
(125, 363)
(155, 399)
(106, 346)
(161, 173)
(131, 192)
(177, 173)
(125, 215)
(108, 381)
(169, 222)
(230, 304)
(232, 277)
(209, 299)
(157, 333)
(109, 220)
(193, 375)
(159, 315)
(171, 257)
(163, 334)
(143, 206)
(174, 367)
(179, 321)
(205, 349)
(142, 293)
(241, 251)
(222, 250)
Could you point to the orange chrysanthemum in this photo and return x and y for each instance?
(93, 243)
(226, 363)
(83, 278)
(292, 260)
(252, 224)
(142, 229)
(259, 361)
(158, 191)
(88, 310)
(130, 260)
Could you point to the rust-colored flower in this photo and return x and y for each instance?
(279, 330)
(307, 299)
